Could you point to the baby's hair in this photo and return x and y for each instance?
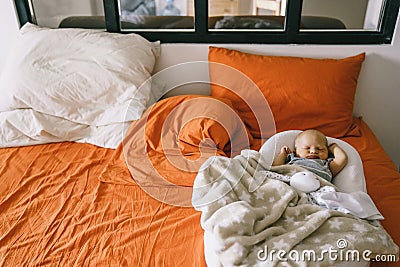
(311, 131)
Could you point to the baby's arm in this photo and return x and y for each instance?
(340, 160)
(281, 158)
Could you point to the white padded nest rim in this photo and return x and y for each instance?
(350, 179)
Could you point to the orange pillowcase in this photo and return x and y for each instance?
(301, 93)
(176, 135)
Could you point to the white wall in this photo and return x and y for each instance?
(378, 89)
(8, 31)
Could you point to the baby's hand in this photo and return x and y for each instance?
(340, 159)
(285, 150)
(281, 158)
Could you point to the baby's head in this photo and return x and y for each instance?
(311, 144)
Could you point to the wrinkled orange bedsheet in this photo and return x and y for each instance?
(72, 204)
(54, 211)
(383, 180)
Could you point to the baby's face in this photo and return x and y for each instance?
(311, 146)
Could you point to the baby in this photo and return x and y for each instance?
(312, 152)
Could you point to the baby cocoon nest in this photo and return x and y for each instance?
(247, 205)
(320, 160)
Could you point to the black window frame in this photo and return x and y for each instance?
(291, 33)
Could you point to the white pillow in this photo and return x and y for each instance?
(350, 179)
(86, 76)
(24, 127)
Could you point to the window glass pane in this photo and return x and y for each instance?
(257, 15)
(157, 14)
(342, 14)
(373, 14)
(69, 13)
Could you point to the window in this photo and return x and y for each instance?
(225, 21)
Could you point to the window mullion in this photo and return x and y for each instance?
(389, 18)
(24, 12)
(293, 18)
(111, 13)
(201, 16)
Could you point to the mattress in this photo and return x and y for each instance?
(77, 204)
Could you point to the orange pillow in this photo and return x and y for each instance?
(302, 93)
(176, 135)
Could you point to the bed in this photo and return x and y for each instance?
(95, 171)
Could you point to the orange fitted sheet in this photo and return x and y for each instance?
(73, 204)
(382, 178)
(54, 211)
